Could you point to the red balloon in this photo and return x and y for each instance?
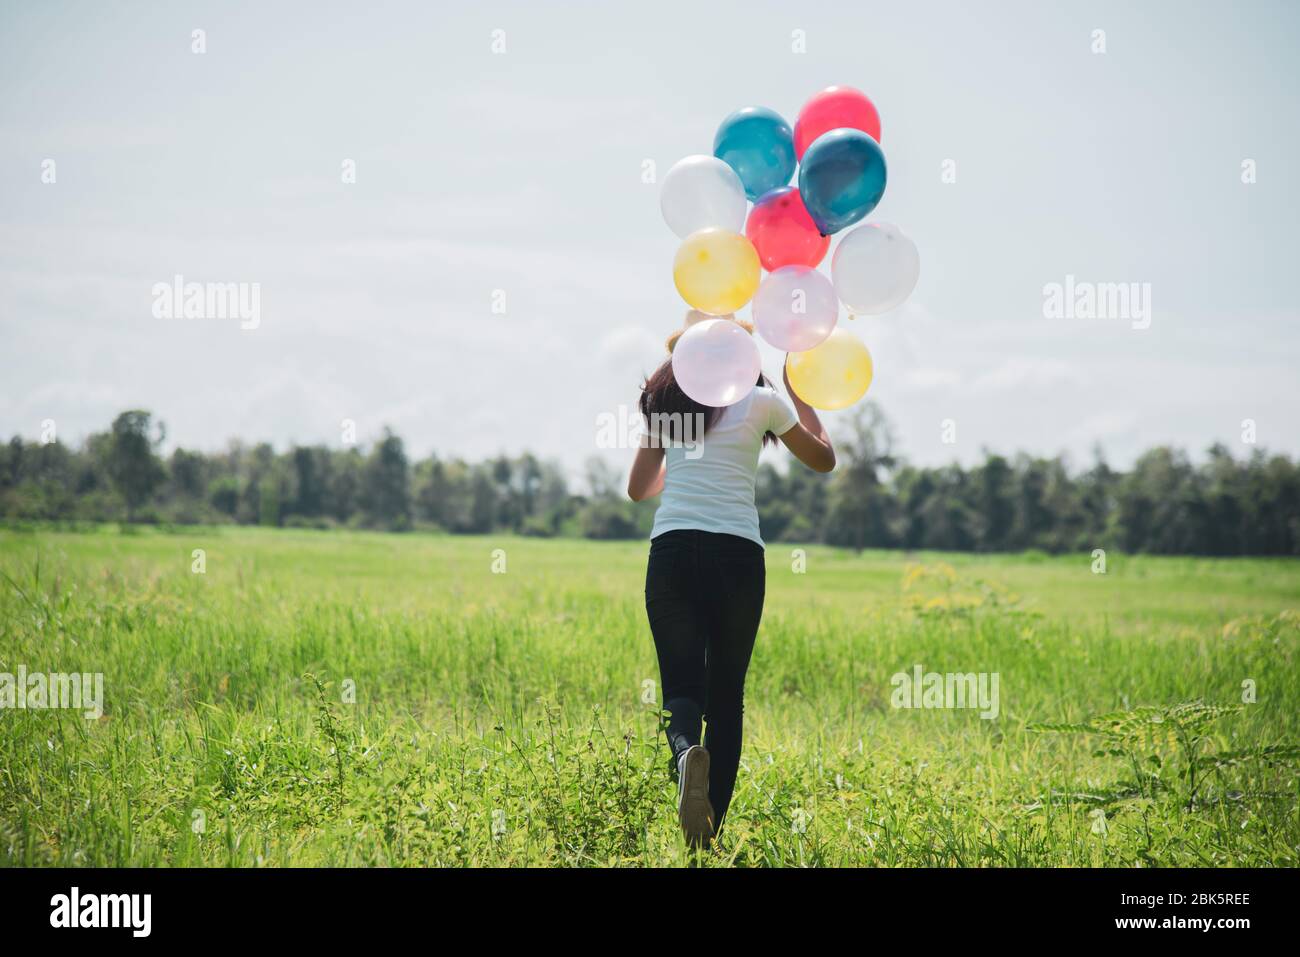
(831, 109)
(782, 231)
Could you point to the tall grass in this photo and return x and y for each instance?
(356, 699)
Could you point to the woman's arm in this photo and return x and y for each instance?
(647, 478)
(808, 440)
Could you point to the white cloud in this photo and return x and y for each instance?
(1026, 373)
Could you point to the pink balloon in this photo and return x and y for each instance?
(795, 308)
(782, 231)
(834, 108)
(716, 362)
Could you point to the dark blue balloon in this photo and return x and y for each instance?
(759, 146)
(842, 178)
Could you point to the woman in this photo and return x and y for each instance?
(706, 578)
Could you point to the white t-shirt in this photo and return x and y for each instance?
(709, 484)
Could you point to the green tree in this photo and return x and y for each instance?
(862, 508)
(132, 463)
(993, 488)
(311, 474)
(387, 484)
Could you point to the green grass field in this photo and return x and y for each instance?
(366, 699)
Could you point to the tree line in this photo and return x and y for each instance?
(1164, 504)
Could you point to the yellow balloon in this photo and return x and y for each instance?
(716, 271)
(832, 375)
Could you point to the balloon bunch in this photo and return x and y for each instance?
(835, 145)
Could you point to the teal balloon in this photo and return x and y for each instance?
(759, 146)
(842, 178)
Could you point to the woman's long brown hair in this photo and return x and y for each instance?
(664, 404)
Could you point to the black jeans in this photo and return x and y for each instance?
(704, 598)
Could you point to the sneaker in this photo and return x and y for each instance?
(693, 808)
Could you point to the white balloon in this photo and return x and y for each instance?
(716, 362)
(875, 268)
(795, 308)
(702, 192)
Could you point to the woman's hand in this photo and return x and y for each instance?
(647, 477)
(807, 440)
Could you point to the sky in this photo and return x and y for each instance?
(498, 277)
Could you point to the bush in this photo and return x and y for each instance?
(537, 527)
(608, 520)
